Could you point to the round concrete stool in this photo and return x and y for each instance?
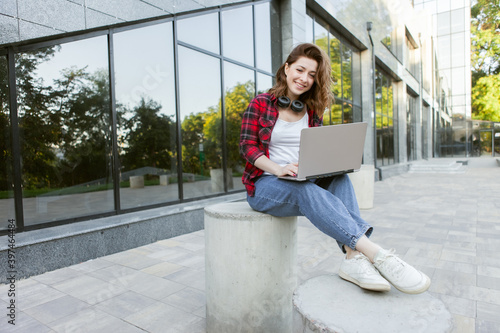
(250, 269)
(327, 304)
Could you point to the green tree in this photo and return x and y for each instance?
(5, 151)
(150, 139)
(206, 128)
(486, 98)
(485, 59)
(85, 146)
(39, 124)
(192, 137)
(236, 101)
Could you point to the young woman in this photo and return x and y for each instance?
(269, 142)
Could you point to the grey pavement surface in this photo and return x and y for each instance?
(446, 224)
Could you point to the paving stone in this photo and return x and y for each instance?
(187, 299)
(132, 259)
(162, 318)
(125, 304)
(89, 289)
(34, 295)
(24, 323)
(463, 324)
(93, 320)
(488, 312)
(189, 277)
(56, 309)
(162, 269)
(56, 276)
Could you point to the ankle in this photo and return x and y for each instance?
(351, 254)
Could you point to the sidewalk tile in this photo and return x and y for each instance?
(93, 320)
(56, 309)
(125, 304)
(162, 318)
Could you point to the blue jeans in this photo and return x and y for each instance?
(329, 203)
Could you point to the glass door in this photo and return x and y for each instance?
(486, 142)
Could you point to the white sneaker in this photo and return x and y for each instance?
(359, 270)
(402, 276)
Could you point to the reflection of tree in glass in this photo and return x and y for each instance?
(40, 125)
(206, 128)
(148, 138)
(485, 60)
(65, 127)
(86, 138)
(236, 101)
(5, 153)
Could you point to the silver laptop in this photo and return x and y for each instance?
(330, 150)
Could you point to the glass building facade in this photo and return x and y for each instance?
(133, 117)
(117, 113)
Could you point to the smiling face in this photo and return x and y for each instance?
(300, 76)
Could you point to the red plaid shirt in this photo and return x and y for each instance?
(256, 127)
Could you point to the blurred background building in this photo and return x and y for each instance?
(122, 107)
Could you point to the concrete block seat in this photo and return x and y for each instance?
(136, 181)
(327, 304)
(250, 269)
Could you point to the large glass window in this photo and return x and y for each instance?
(237, 35)
(145, 104)
(239, 90)
(386, 120)
(496, 142)
(346, 107)
(263, 37)
(6, 179)
(200, 91)
(264, 83)
(411, 58)
(64, 121)
(201, 31)
(392, 43)
(425, 131)
(443, 23)
(411, 127)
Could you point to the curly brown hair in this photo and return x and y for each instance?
(317, 98)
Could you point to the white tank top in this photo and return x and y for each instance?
(285, 141)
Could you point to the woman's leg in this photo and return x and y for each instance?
(341, 187)
(365, 246)
(324, 209)
(332, 207)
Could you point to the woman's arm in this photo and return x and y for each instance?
(249, 136)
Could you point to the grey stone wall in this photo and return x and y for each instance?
(44, 250)
(22, 20)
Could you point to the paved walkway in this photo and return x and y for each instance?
(446, 224)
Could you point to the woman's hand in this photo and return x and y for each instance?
(288, 170)
(264, 163)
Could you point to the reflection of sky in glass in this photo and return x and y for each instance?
(199, 85)
(201, 31)
(238, 34)
(264, 83)
(263, 36)
(144, 66)
(320, 33)
(91, 52)
(234, 75)
(309, 30)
